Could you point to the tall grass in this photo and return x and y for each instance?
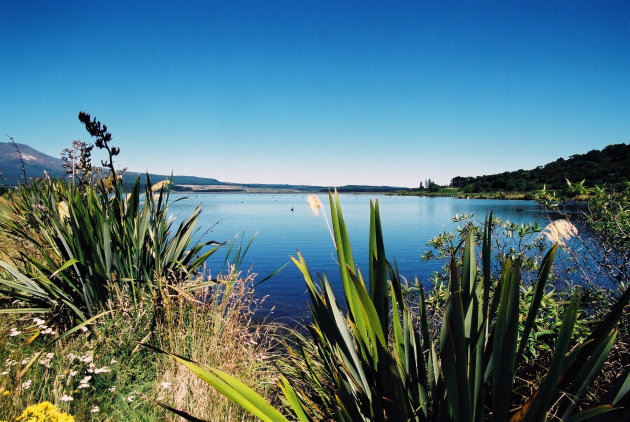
(116, 372)
(217, 329)
(214, 326)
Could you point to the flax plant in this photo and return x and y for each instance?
(78, 245)
(81, 243)
(378, 361)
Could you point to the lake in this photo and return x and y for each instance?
(284, 224)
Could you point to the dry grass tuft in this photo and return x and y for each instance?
(215, 329)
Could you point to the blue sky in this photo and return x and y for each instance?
(321, 93)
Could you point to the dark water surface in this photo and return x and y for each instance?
(408, 224)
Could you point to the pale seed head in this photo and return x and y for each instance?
(560, 231)
(314, 203)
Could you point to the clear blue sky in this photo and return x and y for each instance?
(323, 93)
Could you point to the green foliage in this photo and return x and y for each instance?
(509, 239)
(429, 186)
(605, 250)
(608, 214)
(85, 244)
(109, 377)
(377, 362)
(610, 165)
(93, 377)
(79, 247)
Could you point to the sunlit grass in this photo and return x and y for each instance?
(103, 374)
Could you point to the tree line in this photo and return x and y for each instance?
(610, 166)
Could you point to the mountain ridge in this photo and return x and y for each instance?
(36, 163)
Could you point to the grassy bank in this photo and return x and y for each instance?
(87, 275)
(572, 191)
(103, 373)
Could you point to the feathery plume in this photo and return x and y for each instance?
(560, 231)
(159, 185)
(314, 203)
(62, 208)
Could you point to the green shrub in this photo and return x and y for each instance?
(602, 255)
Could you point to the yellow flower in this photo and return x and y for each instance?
(44, 412)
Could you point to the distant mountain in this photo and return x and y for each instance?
(609, 166)
(35, 163)
(130, 176)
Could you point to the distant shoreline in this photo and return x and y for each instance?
(275, 190)
(240, 189)
(453, 193)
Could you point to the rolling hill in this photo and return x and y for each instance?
(36, 163)
(610, 166)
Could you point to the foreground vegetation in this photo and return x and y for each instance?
(106, 315)
(102, 374)
(382, 359)
(89, 272)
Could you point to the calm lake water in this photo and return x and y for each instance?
(408, 224)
